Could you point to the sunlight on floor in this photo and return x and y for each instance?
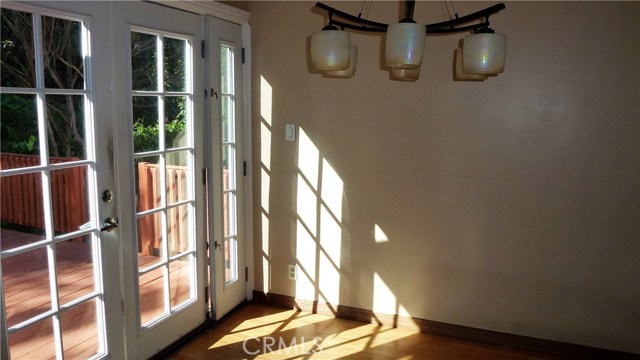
(296, 335)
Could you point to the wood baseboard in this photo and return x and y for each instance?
(496, 338)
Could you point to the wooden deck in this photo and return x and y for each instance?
(25, 279)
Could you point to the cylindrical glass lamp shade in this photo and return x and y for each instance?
(330, 50)
(405, 45)
(460, 75)
(348, 72)
(405, 74)
(484, 53)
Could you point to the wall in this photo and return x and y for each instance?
(511, 204)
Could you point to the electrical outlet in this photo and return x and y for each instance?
(293, 274)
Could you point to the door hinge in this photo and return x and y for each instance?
(206, 295)
(244, 168)
(122, 305)
(243, 55)
(246, 274)
(202, 48)
(204, 176)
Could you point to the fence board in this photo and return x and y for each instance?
(22, 202)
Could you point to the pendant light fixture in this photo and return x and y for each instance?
(330, 48)
(350, 70)
(405, 74)
(482, 54)
(404, 45)
(460, 75)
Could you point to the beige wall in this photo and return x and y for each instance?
(510, 205)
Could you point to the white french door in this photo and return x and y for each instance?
(60, 287)
(101, 181)
(158, 99)
(228, 271)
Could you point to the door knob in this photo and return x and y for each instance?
(109, 224)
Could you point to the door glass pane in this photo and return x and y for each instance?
(230, 259)
(74, 268)
(178, 233)
(25, 278)
(151, 295)
(145, 124)
(80, 331)
(175, 122)
(229, 200)
(181, 276)
(69, 199)
(18, 130)
(147, 176)
(175, 64)
(65, 128)
(21, 210)
(228, 166)
(228, 131)
(177, 177)
(18, 55)
(150, 240)
(226, 66)
(63, 59)
(144, 67)
(35, 341)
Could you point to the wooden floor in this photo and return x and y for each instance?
(26, 285)
(288, 334)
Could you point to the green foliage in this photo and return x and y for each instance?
(18, 128)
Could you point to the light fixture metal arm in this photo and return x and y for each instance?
(445, 27)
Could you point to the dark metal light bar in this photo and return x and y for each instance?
(445, 27)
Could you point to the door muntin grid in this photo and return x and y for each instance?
(163, 158)
(229, 163)
(48, 180)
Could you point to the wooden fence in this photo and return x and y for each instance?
(149, 192)
(22, 202)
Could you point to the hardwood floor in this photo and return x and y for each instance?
(256, 331)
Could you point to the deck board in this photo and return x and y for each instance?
(27, 294)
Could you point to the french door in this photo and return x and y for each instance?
(158, 110)
(102, 191)
(228, 271)
(59, 251)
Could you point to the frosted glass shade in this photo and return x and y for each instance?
(330, 50)
(484, 53)
(405, 45)
(460, 74)
(348, 72)
(406, 74)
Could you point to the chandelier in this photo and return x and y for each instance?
(481, 55)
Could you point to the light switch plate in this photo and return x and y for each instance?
(290, 132)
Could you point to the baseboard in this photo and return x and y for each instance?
(496, 338)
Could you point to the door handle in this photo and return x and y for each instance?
(110, 223)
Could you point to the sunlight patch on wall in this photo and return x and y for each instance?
(308, 159)
(319, 196)
(379, 235)
(332, 189)
(307, 205)
(330, 236)
(306, 248)
(329, 280)
(265, 145)
(266, 100)
(384, 301)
